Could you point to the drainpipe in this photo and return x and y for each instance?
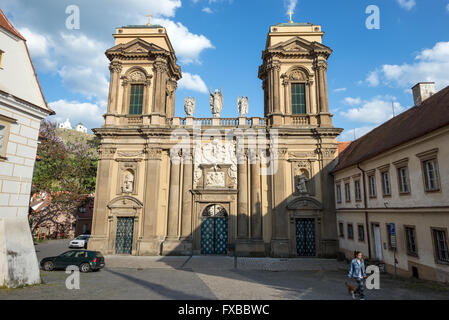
(365, 203)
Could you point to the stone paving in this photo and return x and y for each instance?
(211, 278)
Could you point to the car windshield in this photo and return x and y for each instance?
(81, 238)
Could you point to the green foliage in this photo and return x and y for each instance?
(68, 165)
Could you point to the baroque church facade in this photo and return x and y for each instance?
(246, 186)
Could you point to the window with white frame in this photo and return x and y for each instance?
(431, 175)
(403, 179)
(338, 190)
(410, 234)
(386, 186)
(441, 247)
(357, 190)
(372, 186)
(5, 124)
(347, 192)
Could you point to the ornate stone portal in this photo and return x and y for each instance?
(166, 184)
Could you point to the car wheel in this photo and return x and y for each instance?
(84, 268)
(49, 266)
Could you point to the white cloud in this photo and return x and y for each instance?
(373, 79)
(77, 56)
(91, 115)
(352, 101)
(407, 4)
(429, 65)
(192, 82)
(340, 90)
(350, 134)
(188, 46)
(376, 110)
(207, 10)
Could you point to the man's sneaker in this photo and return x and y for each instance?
(353, 295)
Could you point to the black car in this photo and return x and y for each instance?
(85, 260)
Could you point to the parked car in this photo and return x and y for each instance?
(79, 242)
(85, 260)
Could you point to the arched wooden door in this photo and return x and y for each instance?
(214, 231)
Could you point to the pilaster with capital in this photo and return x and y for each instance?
(151, 196)
(256, 196)
(187, 196)
(115, 68)
(242, 201)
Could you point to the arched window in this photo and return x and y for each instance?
(298, 98)
(136, 99)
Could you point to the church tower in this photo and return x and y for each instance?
(144, 76)
(294, 75)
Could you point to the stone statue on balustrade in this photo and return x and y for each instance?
(243, 104)
(189, 106)
(216, 102)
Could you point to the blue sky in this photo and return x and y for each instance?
(219, 44)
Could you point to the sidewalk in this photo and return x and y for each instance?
(197, 263)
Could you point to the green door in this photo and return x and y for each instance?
(214, 236)
(214, 231)
(305, 237)
(125, 233)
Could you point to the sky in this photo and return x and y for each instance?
(219, 43)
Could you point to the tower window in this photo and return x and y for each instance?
(298, 98)
(136, 99)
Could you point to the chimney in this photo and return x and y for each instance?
(423, 91)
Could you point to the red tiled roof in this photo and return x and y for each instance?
(343, 145)
(5, 24)
(418, 121)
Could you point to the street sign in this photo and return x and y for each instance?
(392, 229)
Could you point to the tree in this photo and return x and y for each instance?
(66, 171)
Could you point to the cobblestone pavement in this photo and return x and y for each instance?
(206, 278)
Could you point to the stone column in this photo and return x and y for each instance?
(116, 69)
(150, 242)
(256, 198)
(276, 88)
(242, 204)
(187, 198)
(173, 200)
(99, 239)
(324, 103)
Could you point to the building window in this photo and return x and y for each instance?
(410, 234)
(431, 175)
(298, 98)
(386, 186)
(5, 124)
(2, 54)
(341, 230)
(136, 99)
(404, 186)
(338, 193)
(441, 247)
(347, 192)
(350, 231)
(361, 231)
(372, 186)
(358, 191)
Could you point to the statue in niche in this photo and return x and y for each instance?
(301, 183)
(189, 106)
(128, 182)
(243, 104)
(216, 102)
